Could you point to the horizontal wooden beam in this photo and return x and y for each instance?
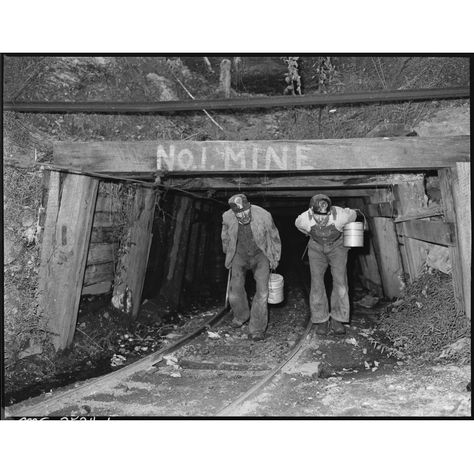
(436, 232)
(420, 214)
(317, 181)
(357, 154)
(302, 193)
(238, 103)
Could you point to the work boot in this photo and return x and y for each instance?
(337, 327)
(322, 328)
(234, 324)
(257, 336)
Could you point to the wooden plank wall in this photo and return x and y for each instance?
(103, 248)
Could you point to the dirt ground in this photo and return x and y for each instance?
(331, 376)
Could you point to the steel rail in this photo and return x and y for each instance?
(230, 409)
(99, 107)
(141, 364)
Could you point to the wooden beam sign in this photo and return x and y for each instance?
(264, 156)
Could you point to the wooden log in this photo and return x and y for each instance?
(238, 103)
(411, 199)
(275, 182)
(388, 256)
(366, 255)
(100, 253)
(98, 273)
(436, 232)
(203, 238)
(132, 266)
(225, 77)
(173, 281)
(191, 258)
(64, 254)
(384, 239)
(446, 180)
(363, 154)
(462, 196)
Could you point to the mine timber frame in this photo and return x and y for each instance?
(340, 164)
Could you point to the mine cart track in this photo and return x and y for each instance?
(219, 363)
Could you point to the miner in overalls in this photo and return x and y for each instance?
(250, 241)
(324, 223)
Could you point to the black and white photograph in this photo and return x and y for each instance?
(236, 236)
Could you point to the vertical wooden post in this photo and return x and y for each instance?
(203, 237)
(64, 252)
(462, 196)
(132, 265)
(386, 251)
(411, 198)
(367, 258)
(225, 78)
(448, 183)
(173, 281)
(191, 258)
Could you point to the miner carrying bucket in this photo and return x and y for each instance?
(250, 241)
(324, 223)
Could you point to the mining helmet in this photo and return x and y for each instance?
(317, 206)
(241, 208)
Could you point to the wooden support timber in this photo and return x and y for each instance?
(447, 201)
(411, 198)
(462, 196)
(130, 274)
(64, 252)
(386, 250)
(173, 280)
(357, 154)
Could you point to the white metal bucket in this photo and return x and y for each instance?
(354, 234)
(275, 288)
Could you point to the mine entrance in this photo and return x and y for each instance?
(191, 182)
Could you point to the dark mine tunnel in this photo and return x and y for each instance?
(197, 245)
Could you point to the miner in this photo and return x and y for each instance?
(324, 223)
(250, 241)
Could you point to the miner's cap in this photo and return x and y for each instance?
(319, 197)
(239, 203)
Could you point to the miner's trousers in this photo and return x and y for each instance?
(258, 314)
(320, 256)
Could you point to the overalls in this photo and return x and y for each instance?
(249, 257)
(326, 248)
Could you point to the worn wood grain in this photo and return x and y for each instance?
(97, 288)
(100, 253)
(98, 273)
(362, 154)
(436, 232)
(64, 256)
(382, 209)
(133, 262)
(446, 181)
(462, 197)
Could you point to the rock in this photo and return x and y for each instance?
(162, 86)
(11, 247)
(310, 369)
(438, 258)
(28, 218)
(446, 122)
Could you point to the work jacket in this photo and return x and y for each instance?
(338, 218)
(264, 232)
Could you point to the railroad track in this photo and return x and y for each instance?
(211, 371)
